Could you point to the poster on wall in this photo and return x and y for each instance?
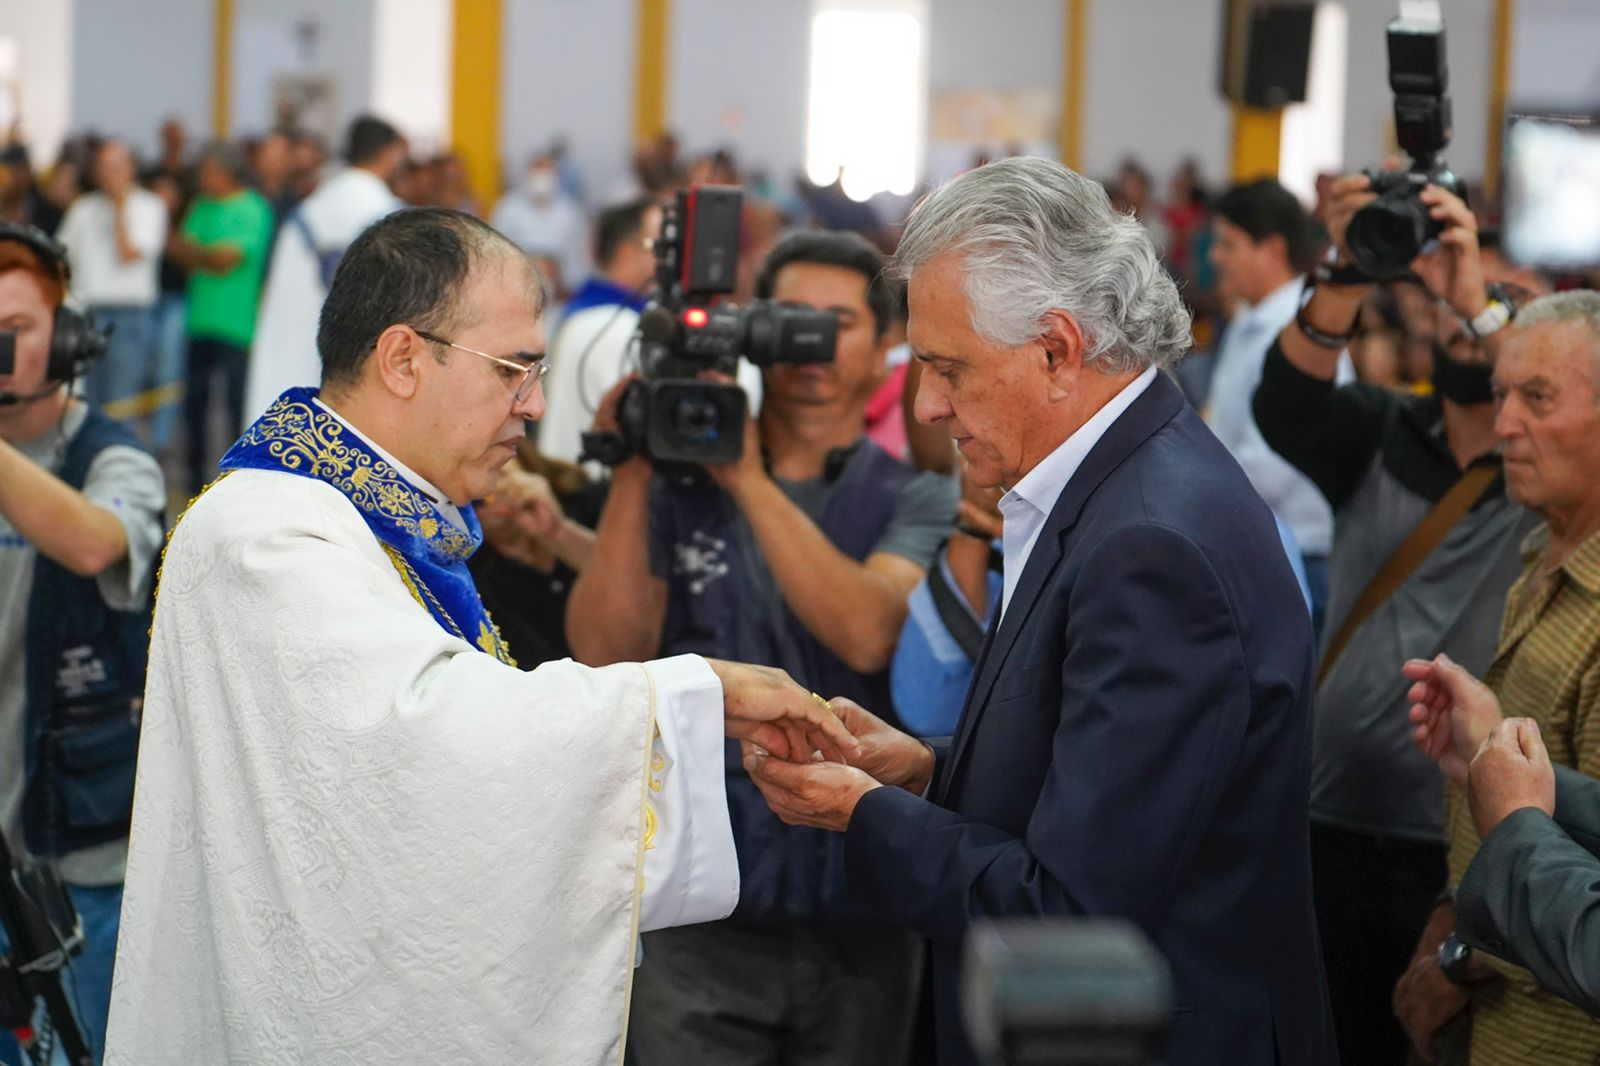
(965, 125)
(307, 102)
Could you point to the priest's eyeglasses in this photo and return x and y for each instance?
(521, 378)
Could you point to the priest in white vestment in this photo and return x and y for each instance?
(308, 247)
(360, 835)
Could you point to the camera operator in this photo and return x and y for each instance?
(80, 527)
(1387, 463)
(802, 554)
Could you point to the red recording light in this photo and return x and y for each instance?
(696, 317)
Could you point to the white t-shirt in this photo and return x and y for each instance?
(100, 278)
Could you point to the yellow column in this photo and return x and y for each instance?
(1074, 76)
(653, 19)
(1256, 136)
(221, 68)
(1499, 86)
(1257, 132)
(475, 95)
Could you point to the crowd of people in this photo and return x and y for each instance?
(1217, 740)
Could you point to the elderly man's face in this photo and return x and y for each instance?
(991, 399)
(1547, 416)
(465, 416)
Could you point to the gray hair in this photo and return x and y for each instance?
(229, 156)
(1579, 307)
(1034, 237)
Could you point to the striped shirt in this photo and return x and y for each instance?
(1547, 668)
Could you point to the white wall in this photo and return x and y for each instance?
(267, 43)
(737, 71)
(136, 64)
(567, 69)
(1369, 123)
(1012, 44)
(1152, 88)
(42, 30)
(1555, 55)
(737, 76)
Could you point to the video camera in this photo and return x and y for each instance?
(1080, 992)
(1387, 234)
(42, 931)
(671, 416)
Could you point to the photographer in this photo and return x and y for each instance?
(80, 527)
(1387, 462)
(800, 555)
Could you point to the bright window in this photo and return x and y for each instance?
(1313, 132)
(866, 105)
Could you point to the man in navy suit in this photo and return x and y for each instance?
(1136, 740)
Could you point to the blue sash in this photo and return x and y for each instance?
(430, 553)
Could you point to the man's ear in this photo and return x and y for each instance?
(394, 360)
(1064, 344)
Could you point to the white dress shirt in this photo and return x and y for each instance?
(1291, 495)
(1029, 503)
(89, 231)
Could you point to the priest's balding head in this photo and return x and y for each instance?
(432, 340)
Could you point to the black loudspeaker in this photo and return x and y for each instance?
(1266, 51)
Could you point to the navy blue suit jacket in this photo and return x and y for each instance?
(1136, 743)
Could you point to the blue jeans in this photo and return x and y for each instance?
(171, 355)
(88, 977)
(127, 369)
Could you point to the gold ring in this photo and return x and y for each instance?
(825, 704)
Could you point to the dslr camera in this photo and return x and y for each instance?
(671, 416)
(1387, 234)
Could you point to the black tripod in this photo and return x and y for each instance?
(38, 918)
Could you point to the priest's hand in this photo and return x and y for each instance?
(1452, 713)
(822, 795)
(764, 706)
(887, 755)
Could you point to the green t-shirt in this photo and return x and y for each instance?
(223, 306)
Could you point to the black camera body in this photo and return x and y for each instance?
(671, 416)
(1387, 234)
(1065, 992)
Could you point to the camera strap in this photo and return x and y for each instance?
(1430, 532)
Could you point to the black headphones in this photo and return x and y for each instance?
(74, 341)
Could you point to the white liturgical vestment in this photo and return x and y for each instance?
(359, 840)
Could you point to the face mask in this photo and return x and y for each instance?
(542, 185)
(1468, 384)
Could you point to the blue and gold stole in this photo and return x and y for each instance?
(430, 553)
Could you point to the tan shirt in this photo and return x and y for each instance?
(1548, 669)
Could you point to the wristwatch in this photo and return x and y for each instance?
(1455, 959)
(1499, 313)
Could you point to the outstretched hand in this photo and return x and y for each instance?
(1452, 713)
(764, 706)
